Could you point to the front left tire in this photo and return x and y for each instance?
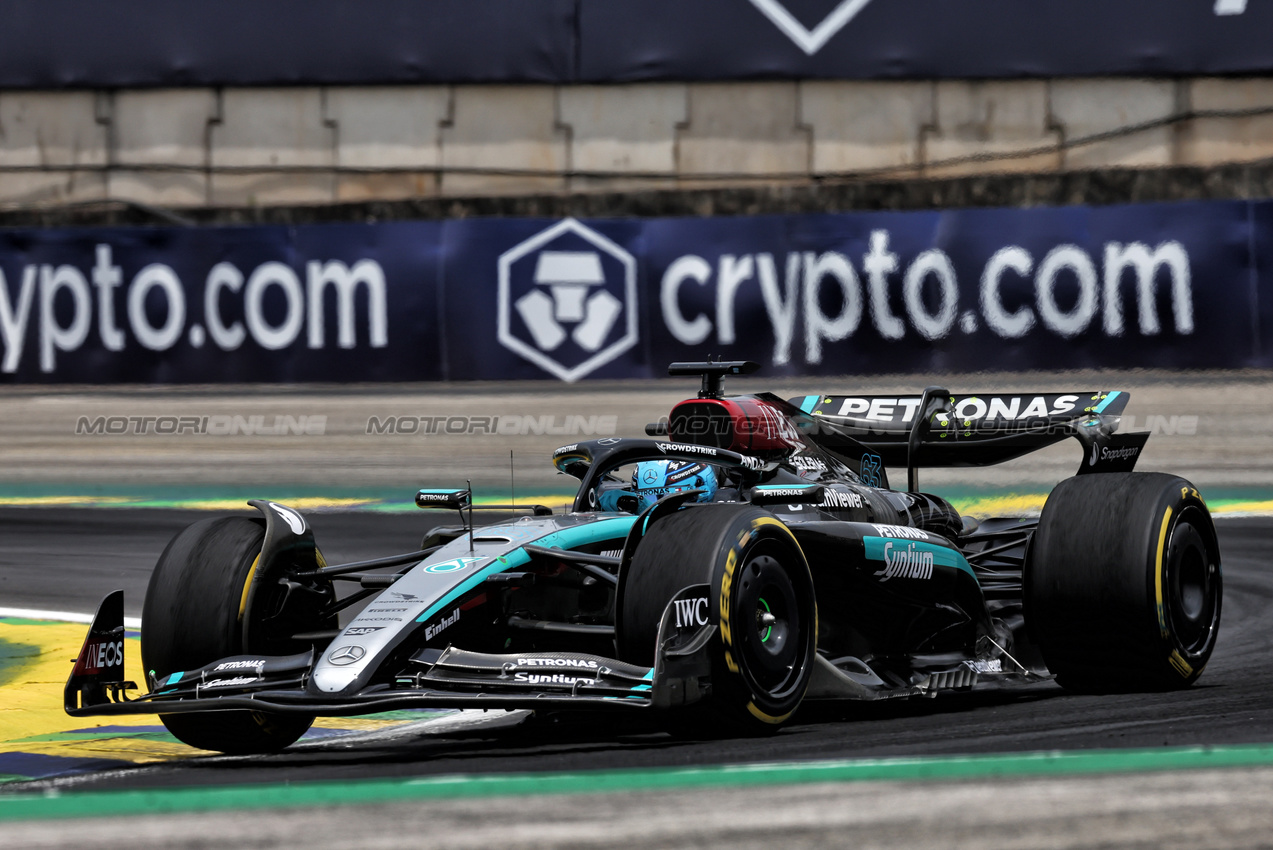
(194, 613)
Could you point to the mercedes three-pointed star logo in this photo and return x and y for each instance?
(347, 654)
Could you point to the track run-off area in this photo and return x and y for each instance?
(1025, 763)
(1033, 767)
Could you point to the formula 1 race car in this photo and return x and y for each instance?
(754, 560)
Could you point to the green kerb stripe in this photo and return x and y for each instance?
(130, 803)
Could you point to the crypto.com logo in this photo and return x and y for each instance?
(567, 300)
(810, 40)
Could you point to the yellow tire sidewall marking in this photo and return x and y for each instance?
(1158, 574)
(767, 718)
(726, 586)
(247, 586)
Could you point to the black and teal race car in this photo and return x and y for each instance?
(746, 555)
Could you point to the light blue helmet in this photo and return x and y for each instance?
(654, 479)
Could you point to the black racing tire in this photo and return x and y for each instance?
(193, 615)
(1123, 586)
(752, 564)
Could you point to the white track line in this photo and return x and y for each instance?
(61, 616)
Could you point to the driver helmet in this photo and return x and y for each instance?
(654, 479)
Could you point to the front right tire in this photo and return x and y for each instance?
(761, 596)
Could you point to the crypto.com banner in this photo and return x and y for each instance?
(160, 43)
(175, 305)
(854, 39)
(1186, 285)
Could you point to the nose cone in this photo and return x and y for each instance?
(339, 668)
(332, 680)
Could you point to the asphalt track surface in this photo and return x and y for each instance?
(64, 559)
(67, 559)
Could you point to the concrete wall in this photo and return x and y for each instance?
(258, 147)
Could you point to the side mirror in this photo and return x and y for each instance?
(453, 499)
(778, 494)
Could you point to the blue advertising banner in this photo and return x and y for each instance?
(146, 43)
(546, 298)
(1186, 285)
(1260, 270)
(71, 43)
(748, 39)
(172, 305)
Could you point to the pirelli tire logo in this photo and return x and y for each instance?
(726, 587)
(725, 604)
(1189, 496)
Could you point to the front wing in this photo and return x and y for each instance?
(449, 678)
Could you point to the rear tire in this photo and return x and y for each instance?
(1123, 586)
(193, 615)
(754, 568)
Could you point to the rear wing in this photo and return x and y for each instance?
(976, 430)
